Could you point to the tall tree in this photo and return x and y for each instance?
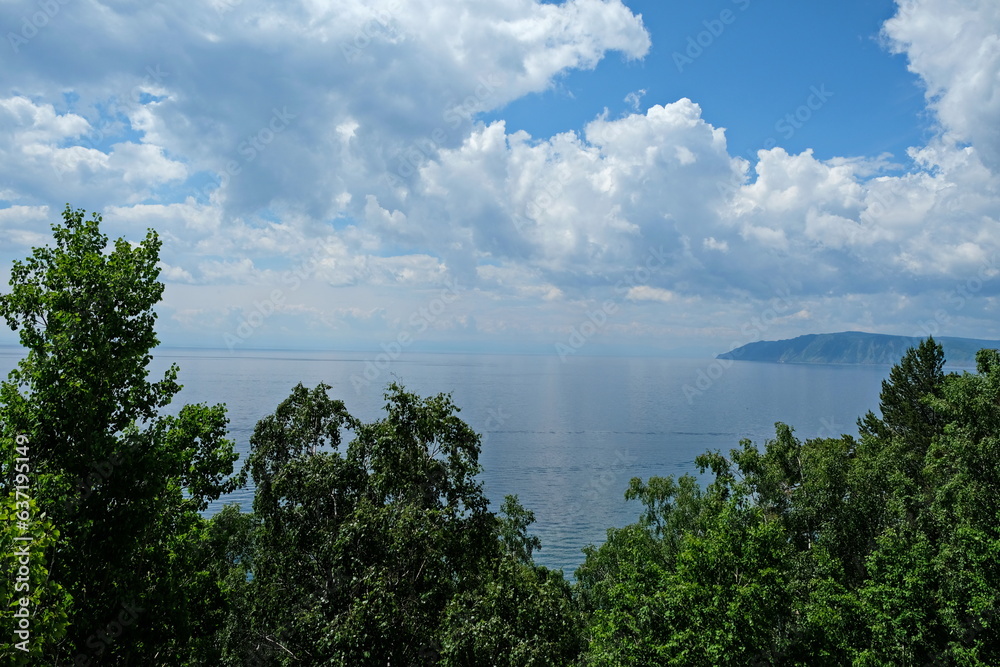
(889, 471)
(701, 579)
(934, 590)
(520, 614)
(907, 411)
(121, 483)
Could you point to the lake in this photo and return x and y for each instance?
(565, 436)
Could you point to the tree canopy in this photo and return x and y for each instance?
(118, 487)
(871, 551)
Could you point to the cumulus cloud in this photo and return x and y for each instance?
(954, 46)
(38, 165)
(333, 150)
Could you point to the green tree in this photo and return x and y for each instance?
(122, 484)
(714, 594)
(934, 589)
(904, 402)
(520, 614)
(516, 541)
(964, 466)
(893, 447)
(371, 554)
(876, 551)
(745, 572)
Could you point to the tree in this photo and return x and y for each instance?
(964, 465)
(520, 614)
(713, 593)
(934, 588)
(382, 551)
(893, 447)
(904, 402)
(886, 477)
(122, 484)
(746, 571)
(33, 607)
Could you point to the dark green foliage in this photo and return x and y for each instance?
(383, 551)
(514, 537)
(939, 557)
(703, 578)
(122, 485)
(522, 615)
(905, 399)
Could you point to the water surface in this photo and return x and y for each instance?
(566, 437)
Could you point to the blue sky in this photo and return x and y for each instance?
(759, 68)
(588, 176)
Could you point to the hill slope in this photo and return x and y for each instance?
(853, 347)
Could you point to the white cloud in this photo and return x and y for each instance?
(954, 46)
(38, 124)
(647, 293)
(711, 244)
(634, 98)
(351, 164)
(35, 162)
(175, 274)
(16, 215)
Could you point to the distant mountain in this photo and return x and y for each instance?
(854, 347)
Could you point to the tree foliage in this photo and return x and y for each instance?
(119, 485)
(383, 551)
(871, 551)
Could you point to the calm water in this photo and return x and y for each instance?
(565, 437)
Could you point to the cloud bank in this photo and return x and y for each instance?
(331, 152)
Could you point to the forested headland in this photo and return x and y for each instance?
(374, 544)
(854, 347)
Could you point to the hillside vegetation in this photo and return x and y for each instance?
(853, 347)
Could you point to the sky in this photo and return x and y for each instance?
(576, 177)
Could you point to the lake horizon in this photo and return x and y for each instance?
(564, 436)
